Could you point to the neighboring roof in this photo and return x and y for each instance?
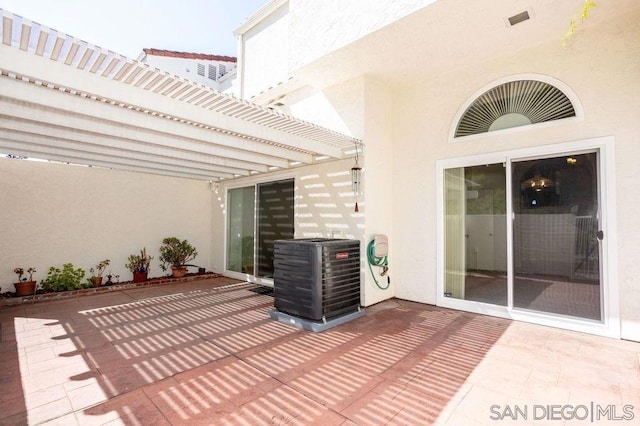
(64, 99)
(189, 55)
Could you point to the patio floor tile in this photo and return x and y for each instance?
(206, 352)
(134, 408)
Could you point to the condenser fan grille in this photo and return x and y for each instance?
(513, 104)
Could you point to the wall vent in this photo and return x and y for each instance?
(519, 17)
(213, 72)
(513, 104)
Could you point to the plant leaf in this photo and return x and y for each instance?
(588, 4)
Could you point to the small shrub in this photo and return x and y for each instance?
(139, 263)
(96, 273)
(174, 252)
(64, 279)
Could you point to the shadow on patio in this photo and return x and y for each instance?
(207, 353)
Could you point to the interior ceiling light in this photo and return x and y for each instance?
(537, 183)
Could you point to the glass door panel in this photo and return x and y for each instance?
(275, 215)
(556, 252)
(240, 229)
(476, 234)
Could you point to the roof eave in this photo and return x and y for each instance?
(260, 15)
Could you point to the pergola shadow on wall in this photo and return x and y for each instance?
(67, 101)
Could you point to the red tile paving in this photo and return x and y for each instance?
(206, 352)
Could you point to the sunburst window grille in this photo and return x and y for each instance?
(513, 104)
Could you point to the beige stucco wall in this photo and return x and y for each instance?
(601, 66)
(55, 213)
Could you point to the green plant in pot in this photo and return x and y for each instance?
(139, 265)
(95, 278)
(175, 254)
(25, 286)
(67, 278)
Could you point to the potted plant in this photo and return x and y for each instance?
(24, 286)
(139, 265)
(176, 254)
(96, 273)
(65, 279)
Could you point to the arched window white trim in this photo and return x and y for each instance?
(506, 120)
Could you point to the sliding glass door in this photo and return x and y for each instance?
(524, 235)
(240, 229)
(257, 215)
(475, 234)
(556, 252)
(275, 214)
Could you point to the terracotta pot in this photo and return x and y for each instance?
(178, 271)
(25, 288)
(139, 277)
(97, 281)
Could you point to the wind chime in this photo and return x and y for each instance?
(356, 179)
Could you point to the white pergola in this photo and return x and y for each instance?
(63, 99)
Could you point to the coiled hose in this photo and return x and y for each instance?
(382, 262)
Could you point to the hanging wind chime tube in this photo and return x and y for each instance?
(356, 179)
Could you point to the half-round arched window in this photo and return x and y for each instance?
(513, 104)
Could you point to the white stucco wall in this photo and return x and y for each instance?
(264, 53)
(324, 205)
(299, 32)
(406, 129)
(325, 202)
(55, 213)
(320, 27)
(601, 66)
(188, 68)
(339, 107)
(229, 83)
(379, 181)
(361, 108)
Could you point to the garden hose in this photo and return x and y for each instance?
(382, 262)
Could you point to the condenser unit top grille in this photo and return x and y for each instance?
(513, 104)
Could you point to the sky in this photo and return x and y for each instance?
(128, 26)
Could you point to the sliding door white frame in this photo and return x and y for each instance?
(605, 146)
